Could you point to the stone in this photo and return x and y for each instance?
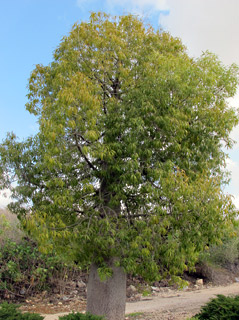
(130, 290)
(23, 291)
(199, 282)
(156, 289)
(74, 292)
(81, 284)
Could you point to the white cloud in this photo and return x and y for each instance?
(202, 25)
(233, 167)
(235, 200)
(235, 136)
(142, 4)
(206, 25)
(5, 198)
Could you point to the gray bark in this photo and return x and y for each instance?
(107, 298)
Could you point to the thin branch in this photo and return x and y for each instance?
(83, 155)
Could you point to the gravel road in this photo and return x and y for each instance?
(177, 305)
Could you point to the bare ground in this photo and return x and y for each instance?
(176, 305)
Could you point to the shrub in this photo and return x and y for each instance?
(225, 255)
(80, 316)
(25, 271)
(220, 308)
(11, 312)
(9, 227)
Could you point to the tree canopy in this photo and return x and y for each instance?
(129, 160)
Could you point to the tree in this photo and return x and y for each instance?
(126, 172)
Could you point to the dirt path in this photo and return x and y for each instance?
(177, 306)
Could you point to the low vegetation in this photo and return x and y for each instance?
(25, 271)
(9, 227)
(11, 312)
(80, 316)
(225, 255)
(219, 264)
(220, 308)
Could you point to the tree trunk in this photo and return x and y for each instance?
(107, 298)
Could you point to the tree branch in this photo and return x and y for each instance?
(83, 155)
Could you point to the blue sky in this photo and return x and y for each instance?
(30, 30)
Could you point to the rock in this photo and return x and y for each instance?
(131, 290)
(167, 289)
(74, 292)
(237, 279)
(44, 293)
(81, 284)
(156, 289)
(199, 282)
(23, 291)
(138, 297)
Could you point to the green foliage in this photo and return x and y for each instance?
(80, 316)
(220, 308)
(9, 227)
(128, 161)
(23, 266)
(11, 312)
(4, 225)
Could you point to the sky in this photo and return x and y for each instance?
(30, 30)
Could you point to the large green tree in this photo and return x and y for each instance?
(127, 169)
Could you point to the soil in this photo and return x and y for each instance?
(165, 304)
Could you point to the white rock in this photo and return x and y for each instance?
(81, 284)
(155, 289)
(132, 288)
(199, 282)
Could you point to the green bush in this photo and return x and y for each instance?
(9, 227)
(220, 308)
(80, 316)
(25, 271)
(11, 312)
